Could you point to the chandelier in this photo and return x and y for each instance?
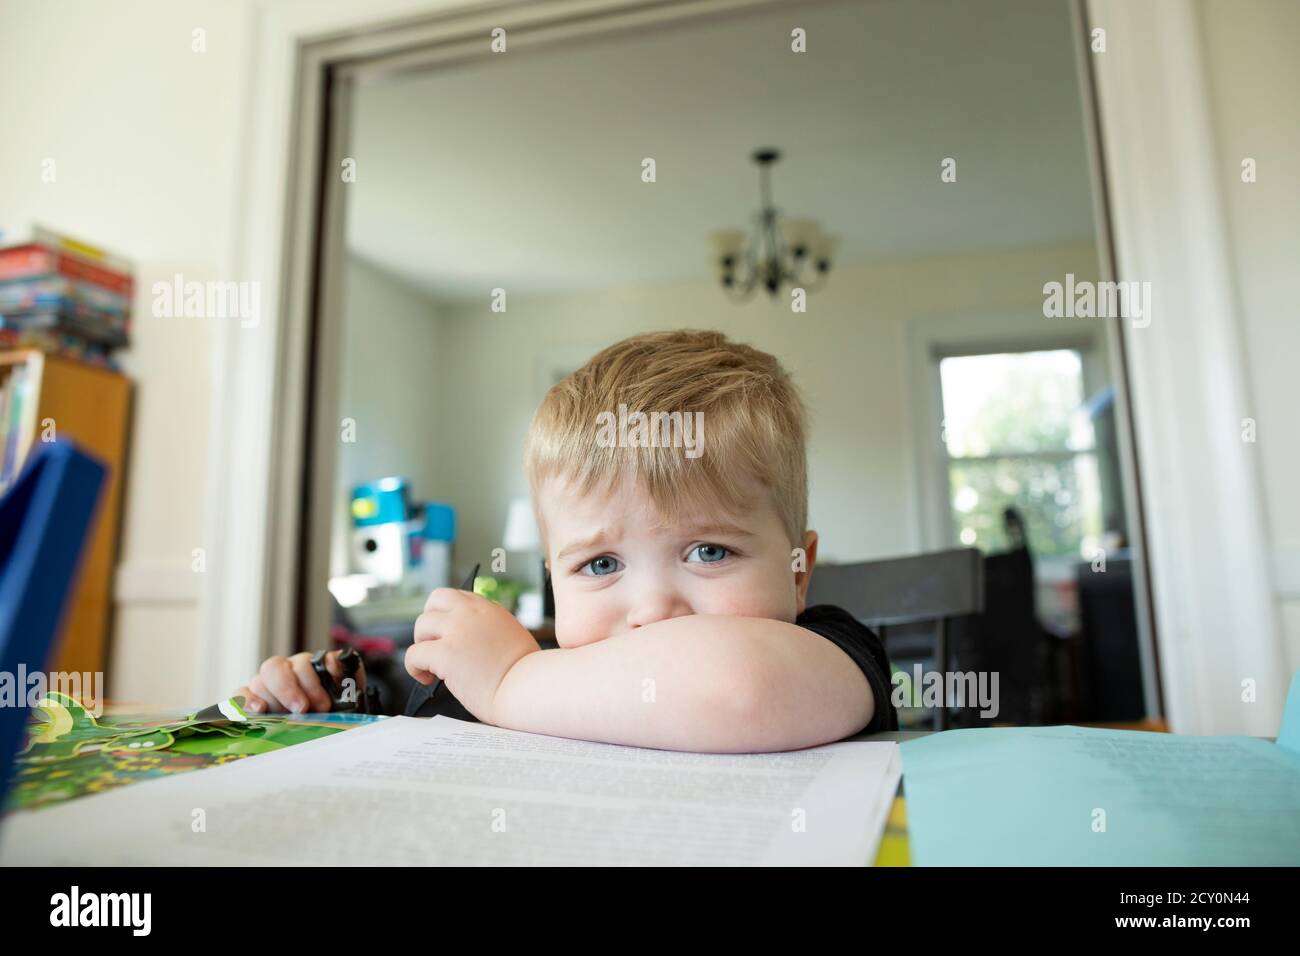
(779, 252)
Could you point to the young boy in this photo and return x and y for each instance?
(680, 562)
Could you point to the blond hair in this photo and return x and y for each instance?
(754, 417)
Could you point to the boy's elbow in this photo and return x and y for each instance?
(851, 705)
(739, 708)
(757, 702)
(746, 691)
(757, 695)
(787, 713)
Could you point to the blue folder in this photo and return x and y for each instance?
(1086, 796)
(45, 519)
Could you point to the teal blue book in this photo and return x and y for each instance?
(1083, 796)
(1289, 734)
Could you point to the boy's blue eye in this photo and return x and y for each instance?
(708, 553)
(602, 566)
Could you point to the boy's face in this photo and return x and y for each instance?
(617, 564)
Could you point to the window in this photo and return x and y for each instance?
(1017, 435)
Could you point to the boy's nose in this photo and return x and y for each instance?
(657, 607)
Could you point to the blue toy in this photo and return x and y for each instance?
(381, 539)
(394, 539)
(45, 518)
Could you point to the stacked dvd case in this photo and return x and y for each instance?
(63, 296)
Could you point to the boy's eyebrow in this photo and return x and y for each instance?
(695, 531)
(584, 544)
(731, 530)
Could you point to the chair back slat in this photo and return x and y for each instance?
(913, 589)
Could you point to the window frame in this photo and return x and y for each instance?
(1046, 567)
(932, 338)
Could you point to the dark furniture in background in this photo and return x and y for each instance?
(1009, 639)
(911, 602)
(1112, 667)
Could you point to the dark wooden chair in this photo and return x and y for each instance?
(925, 589)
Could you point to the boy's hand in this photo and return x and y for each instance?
(470, 643)
(290, 683)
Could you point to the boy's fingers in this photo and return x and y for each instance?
(252, 702)
(443, 599)
(428, 626)
(258, 687)
(278, 677)
(420, 662)
(310, 683)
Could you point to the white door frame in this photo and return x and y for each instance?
(1216, 620)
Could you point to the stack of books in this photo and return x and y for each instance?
(63, 296)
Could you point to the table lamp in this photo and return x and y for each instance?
(522, 537)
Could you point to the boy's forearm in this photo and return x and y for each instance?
(705, 683)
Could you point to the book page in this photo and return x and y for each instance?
(449, 792)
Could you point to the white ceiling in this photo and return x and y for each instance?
(524, 171)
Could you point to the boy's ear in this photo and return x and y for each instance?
(803, 568)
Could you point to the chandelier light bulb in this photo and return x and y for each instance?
(779, 252)
(727, 246)
(824, 250)
(800, 235)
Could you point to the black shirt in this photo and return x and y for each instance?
(835, 624)
(861, 643)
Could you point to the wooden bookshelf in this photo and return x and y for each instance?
(92, 407)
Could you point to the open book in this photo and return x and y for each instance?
(448, 792)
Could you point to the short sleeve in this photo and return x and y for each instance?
(862, 645)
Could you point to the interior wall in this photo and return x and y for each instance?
(848, 354)
(389, 391)
(143, 133)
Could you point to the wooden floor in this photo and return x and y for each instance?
(1157, 726)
